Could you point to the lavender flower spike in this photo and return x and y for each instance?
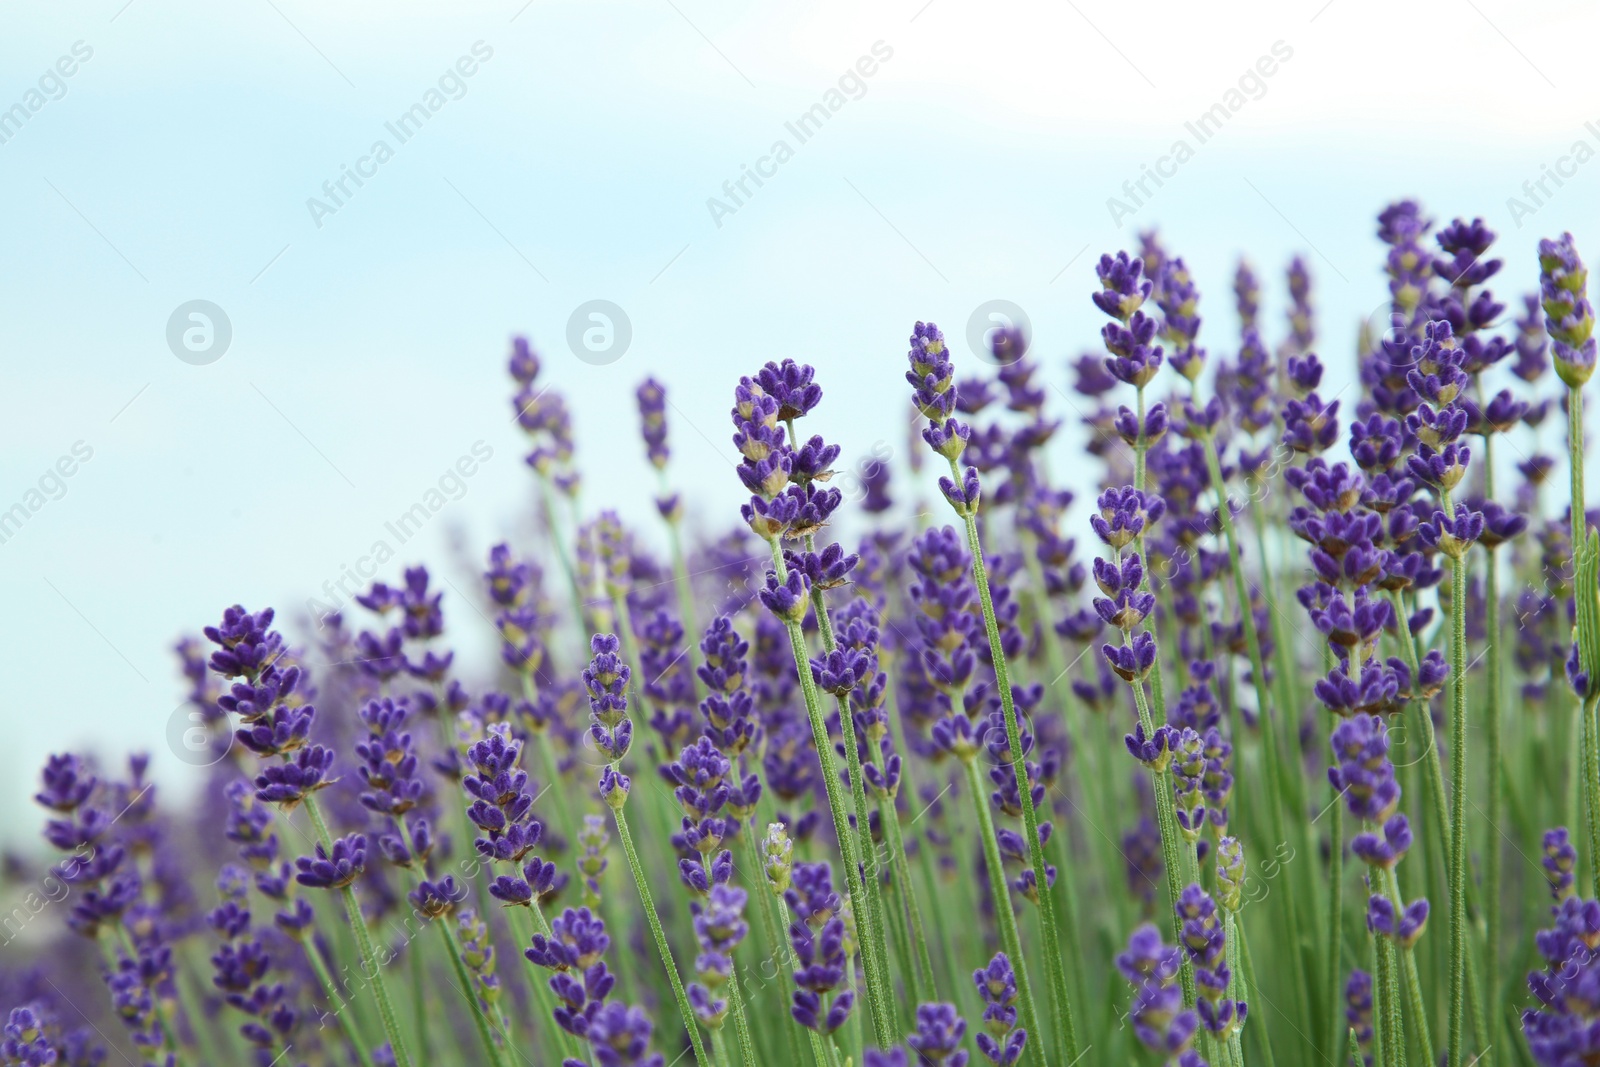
(1568, 315)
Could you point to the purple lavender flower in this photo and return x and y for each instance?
(1387, 849)
(1132, 662)
(256, 657)
(1358, 1010)
(1405, 928)
(788, 599)
(1178, 298)
(702, 792)
(1452, 536)
(1134, 358)
(1568, 315)
(1246, 295)
(576, 941)
(606, 679)
(1123, 606)
(24, 1043)
(791, 386)
(1123, 286)
(1247, 385)
(932, 374)
(1125, 514)
(1154, 750)
(819, 949)
(1188, 770)
(513, 586)
(435, 899)
(719, 927)
(502, 809)
(1561, 1029)
(652, 397)
(1364, 774)
(1159, 1019)
(1377, 690)
(1310, 425)
(1204, 941)
(334, 869)
(1001, 1041)
(1532, 346)
(937, 1040)
(1560, 859)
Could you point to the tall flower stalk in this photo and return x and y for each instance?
(788, 503)
(932, 377)
(606, 678)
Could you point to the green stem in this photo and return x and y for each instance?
(1591, 783)
(741, 1024)
(680, 576)
(780, 946)
(1005, 917)
(1335, 916)
(660, 935)
(480, 1019)
(1494, 846)
(419, 992)
(1458, 813)
(1408, 966)
(1171, 843)
(1279, 790)
(571, 572)
(874, 919)
(1060, 1004)
(550, 760)
(1390, 1029)
(369, 954)
(1064, 892)
(1579, 524)
(876, 1004)
(330, 992)
(1230, 927)
(925, 986)
(1251, 987)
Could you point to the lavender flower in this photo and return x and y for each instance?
(1358, 1011)
(702, 792)
(652, 397)
(1560, 858)
(606, 678)
(818, 942)
(1002, 1040)
(719, 926)
(1568, 315)
(1364, 775)
(1204, 941)
(1157, 1015)
(937, 1040)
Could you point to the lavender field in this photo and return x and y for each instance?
(1288, 754)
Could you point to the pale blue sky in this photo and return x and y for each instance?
(367, 353)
